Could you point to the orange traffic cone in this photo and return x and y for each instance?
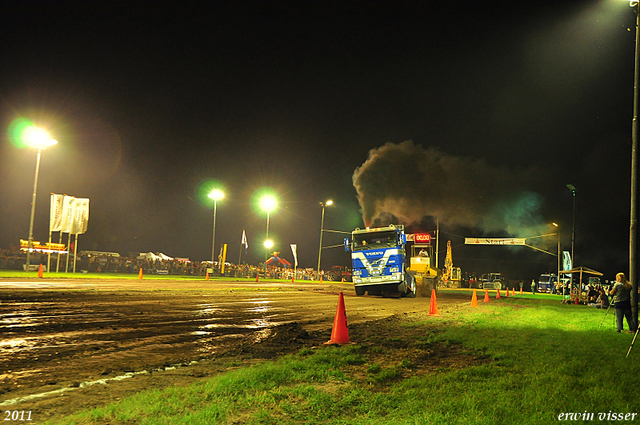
(257, 277)
(521, 290)
(514, 292)
(140, 273)
(433, 307)
(320, 278)
(486, 295)
(474, 299)
(40, 275)
(293, 279)
(340, 333)
(507, 292)
(207, 278)
(498, 297)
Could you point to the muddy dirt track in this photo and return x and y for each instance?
(71, 344)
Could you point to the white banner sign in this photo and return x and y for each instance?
(55, 213)
(74, 216)
(494, 241)
(294, 249)
(80, 216)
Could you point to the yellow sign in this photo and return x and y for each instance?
(47, 247)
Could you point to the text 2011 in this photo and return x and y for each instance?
(17, 415)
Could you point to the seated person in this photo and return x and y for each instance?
(603, 300)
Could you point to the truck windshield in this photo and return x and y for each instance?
(372, 240)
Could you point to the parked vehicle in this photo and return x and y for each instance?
(547, 282)
(338, 273)
(493, 281)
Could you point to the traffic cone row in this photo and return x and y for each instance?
(507, 292)
(498, 297)
(486, 295)
(340, 332)
(474, 299)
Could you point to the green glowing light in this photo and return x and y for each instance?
(18, 130)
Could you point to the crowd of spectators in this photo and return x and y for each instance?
(108, 263)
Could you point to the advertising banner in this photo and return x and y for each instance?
(55, 213)
(80, 220)
(294, 249)
(75, 215)
(495, 241)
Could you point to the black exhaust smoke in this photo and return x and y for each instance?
(405, 183)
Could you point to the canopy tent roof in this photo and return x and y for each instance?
(581, 270)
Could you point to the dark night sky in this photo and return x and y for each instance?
(151, 100)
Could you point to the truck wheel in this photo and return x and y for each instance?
(360, 291)
(411, 286)
(498, 285)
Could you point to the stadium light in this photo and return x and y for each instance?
(39, 139)
(323, 205)
(216, 195)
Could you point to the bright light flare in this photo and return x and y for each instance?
(268, 203)
(216, 195)
(23, 134)
(268, 244)
(38, 138)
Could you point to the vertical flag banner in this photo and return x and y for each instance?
(74, 217)
(294, 249)
(244, 241)
(55, 213)
(80, 216)
(68, 210)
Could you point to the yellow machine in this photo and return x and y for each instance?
(421, 269)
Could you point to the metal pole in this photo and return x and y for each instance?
(321, 232)
(266, 254)
(634, 179)
(559, 260)
(33, 211)
(573, 234)
(213, 244)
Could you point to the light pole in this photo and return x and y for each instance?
(322, 204)
(268, 203)
(572, 188)
(38, 139)
(557, 226)
(634, 176)
(216, 195)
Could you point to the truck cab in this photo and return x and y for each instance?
(547, 282)
(379, 261)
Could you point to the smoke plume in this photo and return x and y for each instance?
(405, 183)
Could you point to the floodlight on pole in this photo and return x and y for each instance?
(323, 205)
(216, 195)
(39, 139)
(557, 226)
(572, 188)
(268, 203)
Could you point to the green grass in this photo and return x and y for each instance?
(545, 359)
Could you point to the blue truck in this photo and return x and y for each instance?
(379, 262)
